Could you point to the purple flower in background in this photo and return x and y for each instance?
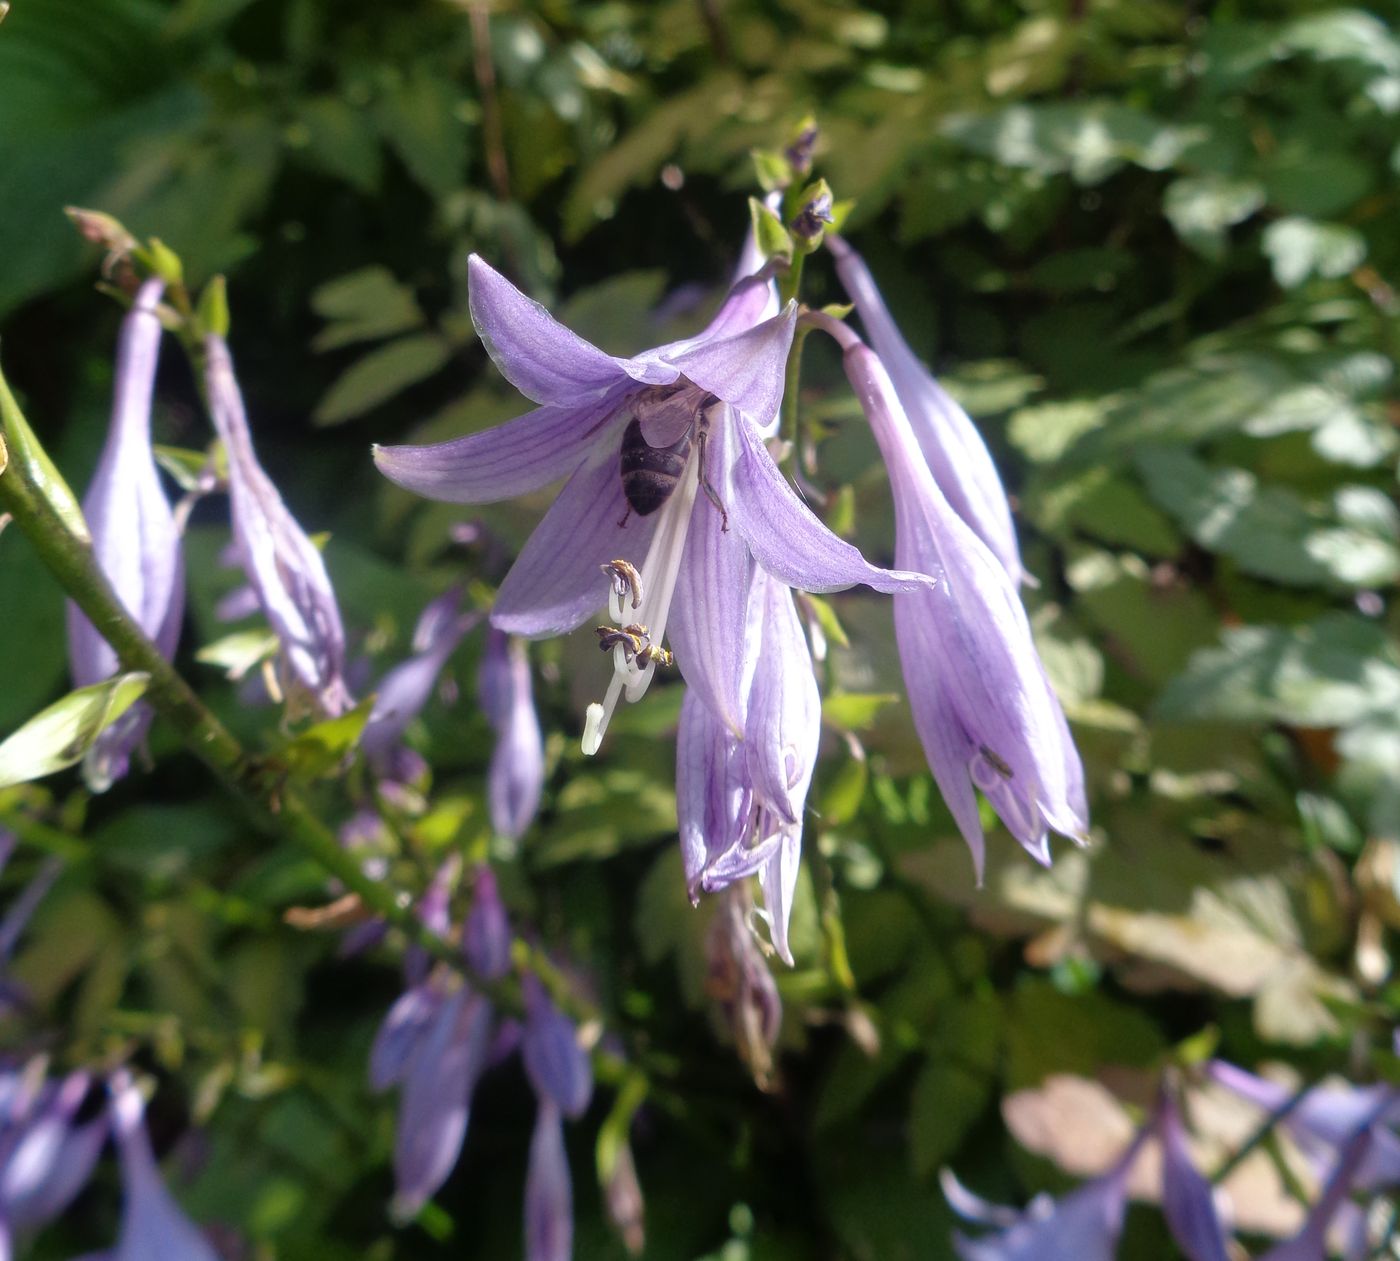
(46, 1156)
(549, 1197)
(953, 448)
(675, 541)
(1310, 1243)
(407, 688)
(1083, 1226)
(557, 1066)
(135, 538)
(982, 703)
(283, 565)
(516, 777)
(1188, 1202)
(153, 1225)
(740, 801)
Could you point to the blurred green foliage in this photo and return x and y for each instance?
(1150, 245)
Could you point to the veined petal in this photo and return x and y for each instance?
(539, 356)
(787, 539)
(707, 617)
(515, 779)
(549, 1208)
(956, 453)
(514, 458)
(712, 802)
(399, 1034)
(779, 880)
(1188, 1203)
(555, 582)
(557, 1066)
(745, 369)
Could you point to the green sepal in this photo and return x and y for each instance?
(212, 311)
(27, 459)
(61, 735)
(771, 237)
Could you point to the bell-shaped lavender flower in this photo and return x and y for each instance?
(153, 1225)
(740, 802)
(135, 539)
(557, 1066)
(407, 688)
(283, 565)
(981, 700)
(1188, 1202)
(549, 1197)
(486, 936)
(1083, 1226)
(670, 489)
(1310, 1243)
(46, 1155)
(953, 448)
(516, 776)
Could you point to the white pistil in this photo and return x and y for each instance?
(659, 574)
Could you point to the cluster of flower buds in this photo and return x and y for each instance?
(1347, 1133)
(438, 1039)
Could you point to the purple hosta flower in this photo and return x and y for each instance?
(282, 563)
(557, 1066)
(407, 688)
(740, 801)
(738, 978)
(676, 541)
(153, 1225)
(1083, 1226)
(1188, 1202)
(486, 936)
(134, 536)
(549, 1197)
(954, 450)
(46, 1155)
(1310, 1243)
(981, 700)
(1327, 1118)
(516, 778)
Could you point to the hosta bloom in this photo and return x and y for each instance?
(737, 975)
(516, 776)
(684, 535)
(981, 700)
(956, 454)
(1310, 1243)
(740, 799)
(153, 1225)
(1188, 1202)
(283, 565)
(134, 537)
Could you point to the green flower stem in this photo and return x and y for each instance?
(792, 381)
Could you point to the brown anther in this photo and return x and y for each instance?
(998, 764)
(633, 644)
(625, 579)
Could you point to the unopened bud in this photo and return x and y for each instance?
(810, 223)
(623, 1194)
(799, 152)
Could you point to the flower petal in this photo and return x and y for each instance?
(746, 369)
(779, 880)
(1188, 1202)
(707, 619)
(787, 539)
(557, 1066)
(515, 779)
(539, 356)
(555, 582)
(549, 1206)
(514, 458)
(712, 804)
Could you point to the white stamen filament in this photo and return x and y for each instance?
(659, 574)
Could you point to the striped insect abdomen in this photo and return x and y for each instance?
(650, 474)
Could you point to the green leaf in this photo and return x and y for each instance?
(323, 747)
(1202, 208)
(382, 374)
(239, 652)
(1299, 248)
(855, 711)
(62, 734)
(946, 1103)
(420, 118)
(364, 305)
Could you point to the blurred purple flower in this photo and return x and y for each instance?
(981, 700)
(740, 802)
(46, 1157)
(1188, 1201)
(153, 1225)
(1310, 1243)
(516, 777)
(135, 539)
(407, 688)
(1083, 1226)
(684, 569)
(557, 1066)
(951, 445)
(486, 935)
(283, 565)
(549, 1200)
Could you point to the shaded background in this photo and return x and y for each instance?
(1150, 246)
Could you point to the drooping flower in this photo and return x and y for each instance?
(153, 1225)
(1083, 1226)
(557, 1066)
(549, 1196)
(406, 689)
(740, 802)
(46, 1154)
(283, 565)
(1188, 1202)
(631, 435)
(981, 700)
(738, 978)
(1310, 1243)
(951, 444)
(135, 539)
(515, 779)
